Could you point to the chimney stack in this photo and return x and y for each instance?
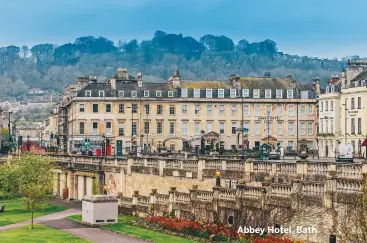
(140, 80)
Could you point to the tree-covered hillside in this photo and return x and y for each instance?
(49, 66)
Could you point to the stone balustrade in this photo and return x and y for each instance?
(231, 168)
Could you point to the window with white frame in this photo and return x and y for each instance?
(232, 93)
(172, 128)
(121, 129)
(197, 128)
(290, 94)
(310, 128)
(257, 110)
(88, 93)
(81, 128)
(196, 93)
(134, 94)
(257, 128)
(184, 128)
(234, 110)
(95, 128)
(303, 110)
(268, 110)
(321, 126)
(303, 129)
(234, 127)
(291, 128)
(291, 110)
(322, 106)
(120, 93)
(220, 93)
(146, 127)
(81, 107)
(101, 93)
(197, 109)
(170, 94)
(172, 109)
(246, 125)
(327, 89)
(246, 110)
(332, 89)
(184, 109)
(209, 93)
(146, 93)
(326, 106)
(332, 125)
(221, 128)
(280, 128)
(159, 128)
(221, 110)
(108, 128)
(158, 93)
(256, 93)
(268, 93)
(209, 126)
(209, 110)
(246, 93)
(309, 109)
(279, 94)
(184, 93)
(269, 129)
(280, 110)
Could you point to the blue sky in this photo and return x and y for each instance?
(324, 28)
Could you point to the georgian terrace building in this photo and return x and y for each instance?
(127, 110)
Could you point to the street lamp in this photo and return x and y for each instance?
(202, 142)
(28, 144)
(318, 153)
(217, 179)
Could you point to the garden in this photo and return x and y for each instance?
(203, 231)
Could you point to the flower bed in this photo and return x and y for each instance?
(202, 231)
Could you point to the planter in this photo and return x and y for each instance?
(195, 187)
(154, 191)
(136, 192)
(303, 155)
(173, 189)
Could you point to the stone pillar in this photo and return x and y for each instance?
(296, 191)
(152, 202)
(249, 168)
(161, 165)
(364, 166)
(273, 169)
(134, 203)
(122, 182)
(301, 168)
(172, 199)
(264, 199)
(330, 189)
(130, 162)
(75, 186)
(71, 183)
(215, 198)
(201, 166)
(145, 162)
(84, 186)
(224, 165)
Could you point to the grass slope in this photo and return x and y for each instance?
(14, 212)
(123, 228)
(40, 234)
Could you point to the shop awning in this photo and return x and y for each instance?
(364, 142)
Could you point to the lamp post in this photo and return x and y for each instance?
(217, 178)
(132, 123)
(28, 144)
(318, 153)
(202, 142)
(103, 145)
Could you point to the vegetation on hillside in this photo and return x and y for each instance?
(48, 66)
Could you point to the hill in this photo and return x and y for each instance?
(51, 67)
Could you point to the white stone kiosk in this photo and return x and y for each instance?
(99, 210)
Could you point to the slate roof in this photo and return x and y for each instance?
(361, 76)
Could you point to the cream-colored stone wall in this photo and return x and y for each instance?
(145, 183)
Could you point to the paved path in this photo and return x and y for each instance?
(96, 235)
(42, 219)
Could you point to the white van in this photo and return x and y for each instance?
(345, 153)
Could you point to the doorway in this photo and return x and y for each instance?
(119, 148)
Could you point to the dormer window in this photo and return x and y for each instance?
(101, 93)
(88, 93)
(183, 93)
(158, 93)
(363, 83)
(220, 93)
(232, 93)
(121, 93)
(245, 93)
(146, 93)
(196, 93)
(256, 93)
(356, 84)
(332, 89)
(327, 89)
(290, 94)
(279, 94)
(209, 93)
(134, 94)
(170, 94)
(268, 94)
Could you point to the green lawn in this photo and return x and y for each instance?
(123, 228)
(40, 234)
(15, 213)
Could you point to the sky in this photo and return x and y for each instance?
(315, 28)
